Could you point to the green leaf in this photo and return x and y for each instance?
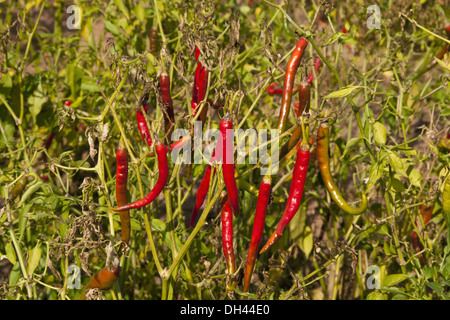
(397, 164)
(415, 178)
(34, 255)
(90, 85)
(111, 28)
(139, 12)
(334, 38)
(135, 225)
(350, 144)
(10, 253)
(342, 92)
(435, 287)
(379, 133)
(376, 295)
(36, 101)
(375, 173)
(393, 279)
(386, 249)
(383, 229)
(158, 225)
(15, 274)
(399, 296)
(428, 272)
(120, 5)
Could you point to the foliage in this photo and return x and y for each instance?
(386, 99)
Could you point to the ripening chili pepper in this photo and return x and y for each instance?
(180, 143)
(426, 212)
(316, 68)
(199, 89)
(227, 135)
(258, 228)
(153, 40)
(446, 203)
(441, 54)
(295, 194)
(271, 89)
(304, 95)
(142, 125)
(324, 166)
(202, 191)
(160, 183)
(226, 214)
(169, 116)
(289, 77)
(104, 279)
(198, 95)
(121, 190)
(49, 140)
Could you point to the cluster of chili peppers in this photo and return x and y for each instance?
(297, 142)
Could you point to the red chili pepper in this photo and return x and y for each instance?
(316, 68)
(227, 135)
(271, 89)
(295, 194)
(142, 125)
(226, 214)
(121, 190)
(288, 86)
(160, 184)
(444, 50)
(169, 116)
(200, 87)
(426, 213)
(202, 191)
(258, 228)
(102, 280)
(304, 96)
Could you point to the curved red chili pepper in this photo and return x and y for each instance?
(202, 191)
(271, 89)
(142, 125)
(160, 184)
(288, 86)
(121, 190)
(295, 195)
(200, 87)
(258, 228)
(227, 136)
(226, 214)
(169, 116)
